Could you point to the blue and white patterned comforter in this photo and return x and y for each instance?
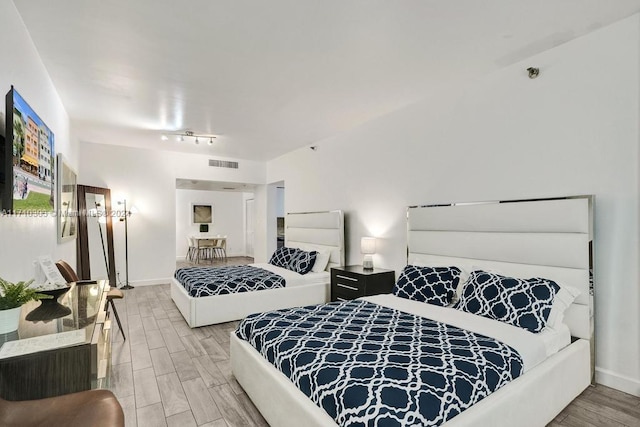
(207, 281)
(369, 365)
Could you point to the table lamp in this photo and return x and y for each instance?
(368, 248)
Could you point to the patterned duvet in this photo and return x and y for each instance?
(207, 281)
(369, 365)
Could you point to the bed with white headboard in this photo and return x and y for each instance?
(310, 231)
(549, 238)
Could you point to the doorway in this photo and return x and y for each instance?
(249, 226)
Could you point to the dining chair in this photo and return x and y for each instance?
(191, 248)
(95, 408)
(206, 247)
(220, 249)
(70, 275)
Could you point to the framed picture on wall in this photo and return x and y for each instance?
(67, 214)
(201, 214)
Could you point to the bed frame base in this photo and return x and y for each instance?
(532, 400)
(199, 312)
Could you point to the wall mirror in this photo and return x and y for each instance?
(67, 201)
(95, 234)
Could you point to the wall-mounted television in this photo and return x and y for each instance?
(28, 166)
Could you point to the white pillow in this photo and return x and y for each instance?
(322, 259)
(464, 275)
(563, 299)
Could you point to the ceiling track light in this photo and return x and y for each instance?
(189, 134)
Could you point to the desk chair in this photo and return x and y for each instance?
(70, 275)
(95, 408)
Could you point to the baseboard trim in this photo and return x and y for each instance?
(150, 282)
(617, 381)
(229, 255)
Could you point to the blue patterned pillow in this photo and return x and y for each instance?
(525, 303)
(283, 257)
(433, 285)
(302, 261)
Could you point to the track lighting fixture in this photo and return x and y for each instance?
(182, 135)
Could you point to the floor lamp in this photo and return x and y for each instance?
(102, 219)
(126, 245)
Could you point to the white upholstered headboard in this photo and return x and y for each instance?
(549, 238)
(317, 231)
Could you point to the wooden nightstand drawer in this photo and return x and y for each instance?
(347, 290)
(353, 282)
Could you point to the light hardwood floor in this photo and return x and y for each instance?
(167, 374)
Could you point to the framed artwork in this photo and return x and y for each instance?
(67, 201)
(201, 214)
(30, 172)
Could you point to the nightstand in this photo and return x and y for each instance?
(353, 281)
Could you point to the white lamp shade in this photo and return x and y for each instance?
(368, 245)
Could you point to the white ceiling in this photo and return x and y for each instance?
(272, 76)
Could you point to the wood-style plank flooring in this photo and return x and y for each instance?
(167, 374)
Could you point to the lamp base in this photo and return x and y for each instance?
(367, 262)
(127, 286)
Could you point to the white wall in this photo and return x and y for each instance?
(147, 179)
(24, 239)
(573, 130)
(228, 218)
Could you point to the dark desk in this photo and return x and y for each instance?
(64, 348)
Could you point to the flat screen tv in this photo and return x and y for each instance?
(28, 166)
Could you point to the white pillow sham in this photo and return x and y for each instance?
(322, 260)
(563, 299)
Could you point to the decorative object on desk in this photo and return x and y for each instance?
(125, 215)
(52, 283)
(368, 248)
(13, 295)
(50, 309)
(204, 228)
(67, 201)
(48, 275)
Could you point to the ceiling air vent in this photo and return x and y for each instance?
(223, 164)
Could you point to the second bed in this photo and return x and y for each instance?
(315, 231)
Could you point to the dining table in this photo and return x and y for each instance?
(207, 240)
